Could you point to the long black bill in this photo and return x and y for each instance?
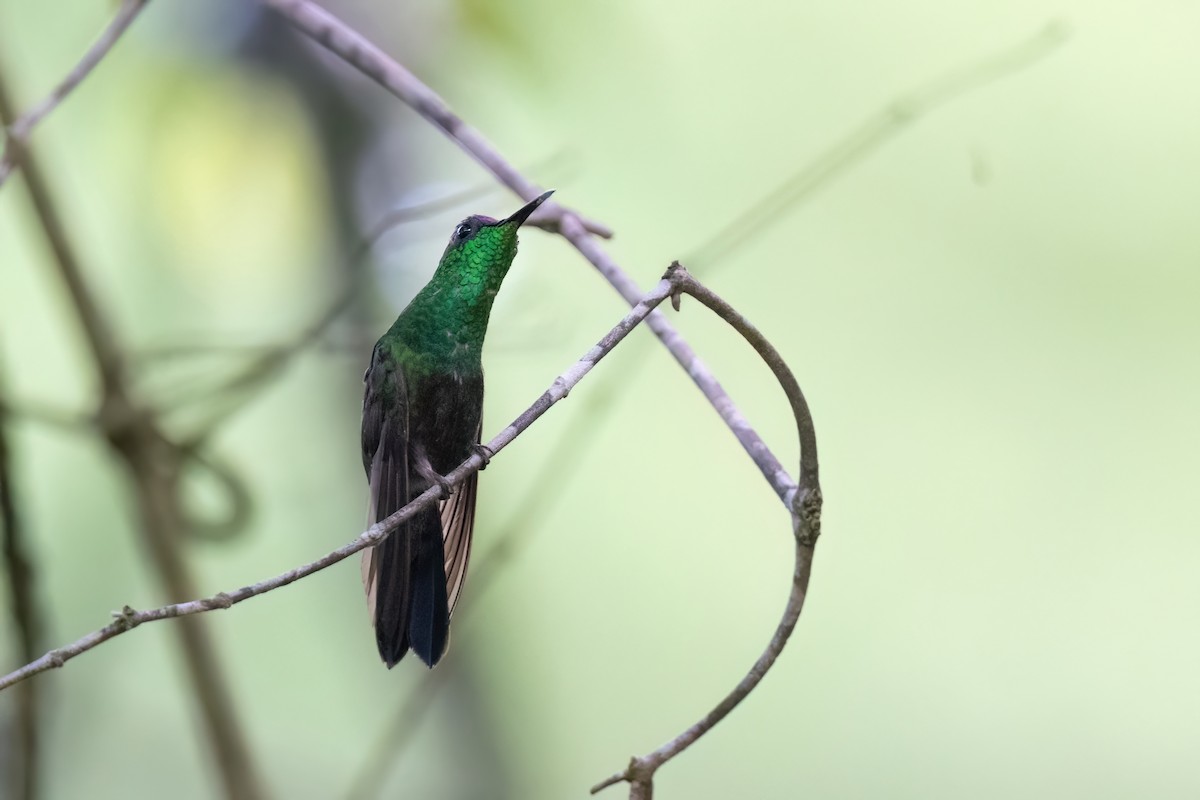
(524, 211)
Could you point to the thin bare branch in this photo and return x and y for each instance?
(330, 32)
(806, 528)
(19, 130)
(902, 112)
(128, 618)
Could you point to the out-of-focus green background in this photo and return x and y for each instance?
(994, 315)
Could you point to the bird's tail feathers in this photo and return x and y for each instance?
(406, 579)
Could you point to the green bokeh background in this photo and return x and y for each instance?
(994, 316)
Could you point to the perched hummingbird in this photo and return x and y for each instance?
(422, 417)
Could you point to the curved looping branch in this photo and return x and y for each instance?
(128, 618)
(232, 519)
(809, 469)
(805, 505)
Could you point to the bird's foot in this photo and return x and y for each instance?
(426, 471)
(444, 485)
(484, 452)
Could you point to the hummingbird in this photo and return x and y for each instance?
(422, 417)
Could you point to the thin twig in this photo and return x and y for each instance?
(902, 112)
(26, 613)
(128, 618)
(19, 130)
(153, 461)
(806, 528)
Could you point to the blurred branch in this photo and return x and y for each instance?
(899, 114)
(239, 502)
(154, 463)
(52, 416)
(806, 528)
(332, 33)
(128, 619)
(19, 130)
(27, 617)
(406, 721)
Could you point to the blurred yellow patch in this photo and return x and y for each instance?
(234, 172)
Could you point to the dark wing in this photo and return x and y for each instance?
(385, 428)
(458, 524)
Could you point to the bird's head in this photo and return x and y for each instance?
(484, 238)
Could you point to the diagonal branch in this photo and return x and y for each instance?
(901, 112)
(128, 618)
(806, 527)
(19, 130)
(358, 51)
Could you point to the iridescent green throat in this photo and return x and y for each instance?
(446, 322)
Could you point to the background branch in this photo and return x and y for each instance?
(19, 130)
(154, 464)
(901, 113)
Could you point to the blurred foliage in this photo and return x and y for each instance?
(993, 317)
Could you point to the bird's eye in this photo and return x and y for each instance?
(462, 231)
